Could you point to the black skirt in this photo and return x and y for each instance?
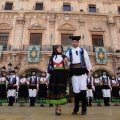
(23, 91)
(2, 91)
(78, 71)
(58, 82)
(105, 87)
(115, 92)
(42, 93)
(98, 92)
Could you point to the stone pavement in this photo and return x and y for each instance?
(47, 113)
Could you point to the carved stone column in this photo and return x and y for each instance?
(19, 31)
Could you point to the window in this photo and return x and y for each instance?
(119, 10)
(39, 6)
(66, 7)
(92, 8)
(35, 38)
(8, 6)
(97, 40)
(4, 40)
(65, 39)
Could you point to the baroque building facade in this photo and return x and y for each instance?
(49, 22)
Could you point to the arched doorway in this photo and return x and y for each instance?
(28, 72)
(99, 72)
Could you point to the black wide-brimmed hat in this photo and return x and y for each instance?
(12, 71)
(75, 37)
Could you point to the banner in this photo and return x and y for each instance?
(33, 53)
(100, 55)
(1, 49)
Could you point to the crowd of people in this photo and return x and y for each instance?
(85, 87)
(103, 89)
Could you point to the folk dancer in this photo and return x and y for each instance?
(3, 81)
(106, 88)
(23, 90)
(115, 90)
(118, 79)
(58, 81)
(33, 84)
(98, 90)
(78, 73)
(42, 90)
(90, 89)
(13, 81)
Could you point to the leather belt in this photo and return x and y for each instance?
(72, 66)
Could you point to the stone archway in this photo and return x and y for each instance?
(99, 70)
(31, 67)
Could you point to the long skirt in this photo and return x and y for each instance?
(3, 94)
(115, 92)
(23, 94)
(98, 92)
(42, 93)
(57, 86)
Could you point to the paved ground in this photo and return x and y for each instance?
(47, 113)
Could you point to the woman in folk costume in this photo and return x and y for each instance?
(90, 89)
(3, 80)
(98, 89)
(58, 81)
(23, 90)
(115, 91)
(106, 88)
(42, 92)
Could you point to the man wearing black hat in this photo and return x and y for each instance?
(33, 85)
(106, 87)
(78, 73)
(12, 85)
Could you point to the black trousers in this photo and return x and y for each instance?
(80, 96)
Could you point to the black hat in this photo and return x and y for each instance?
(75, 37)
(12, 71)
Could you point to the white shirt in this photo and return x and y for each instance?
(76, 58)
(106, 77)
(33, 78)
(14, 76)
(2, 79)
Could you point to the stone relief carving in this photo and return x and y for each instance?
(5, 26)
(97, 28)
(36, 26)
(66, 26)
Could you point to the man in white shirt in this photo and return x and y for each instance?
(78, 73)
(33, 85)
(106, 88)
(12, 85)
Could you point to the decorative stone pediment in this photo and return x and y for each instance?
(36, 26)
(96, 29)
(5, 26)
(67, 26)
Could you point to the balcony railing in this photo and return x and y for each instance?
(49, 48)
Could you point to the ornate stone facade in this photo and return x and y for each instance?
(53, 21)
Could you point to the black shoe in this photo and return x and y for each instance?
(83, 113)
(58, 113)
(74, 113)
(50, 105)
